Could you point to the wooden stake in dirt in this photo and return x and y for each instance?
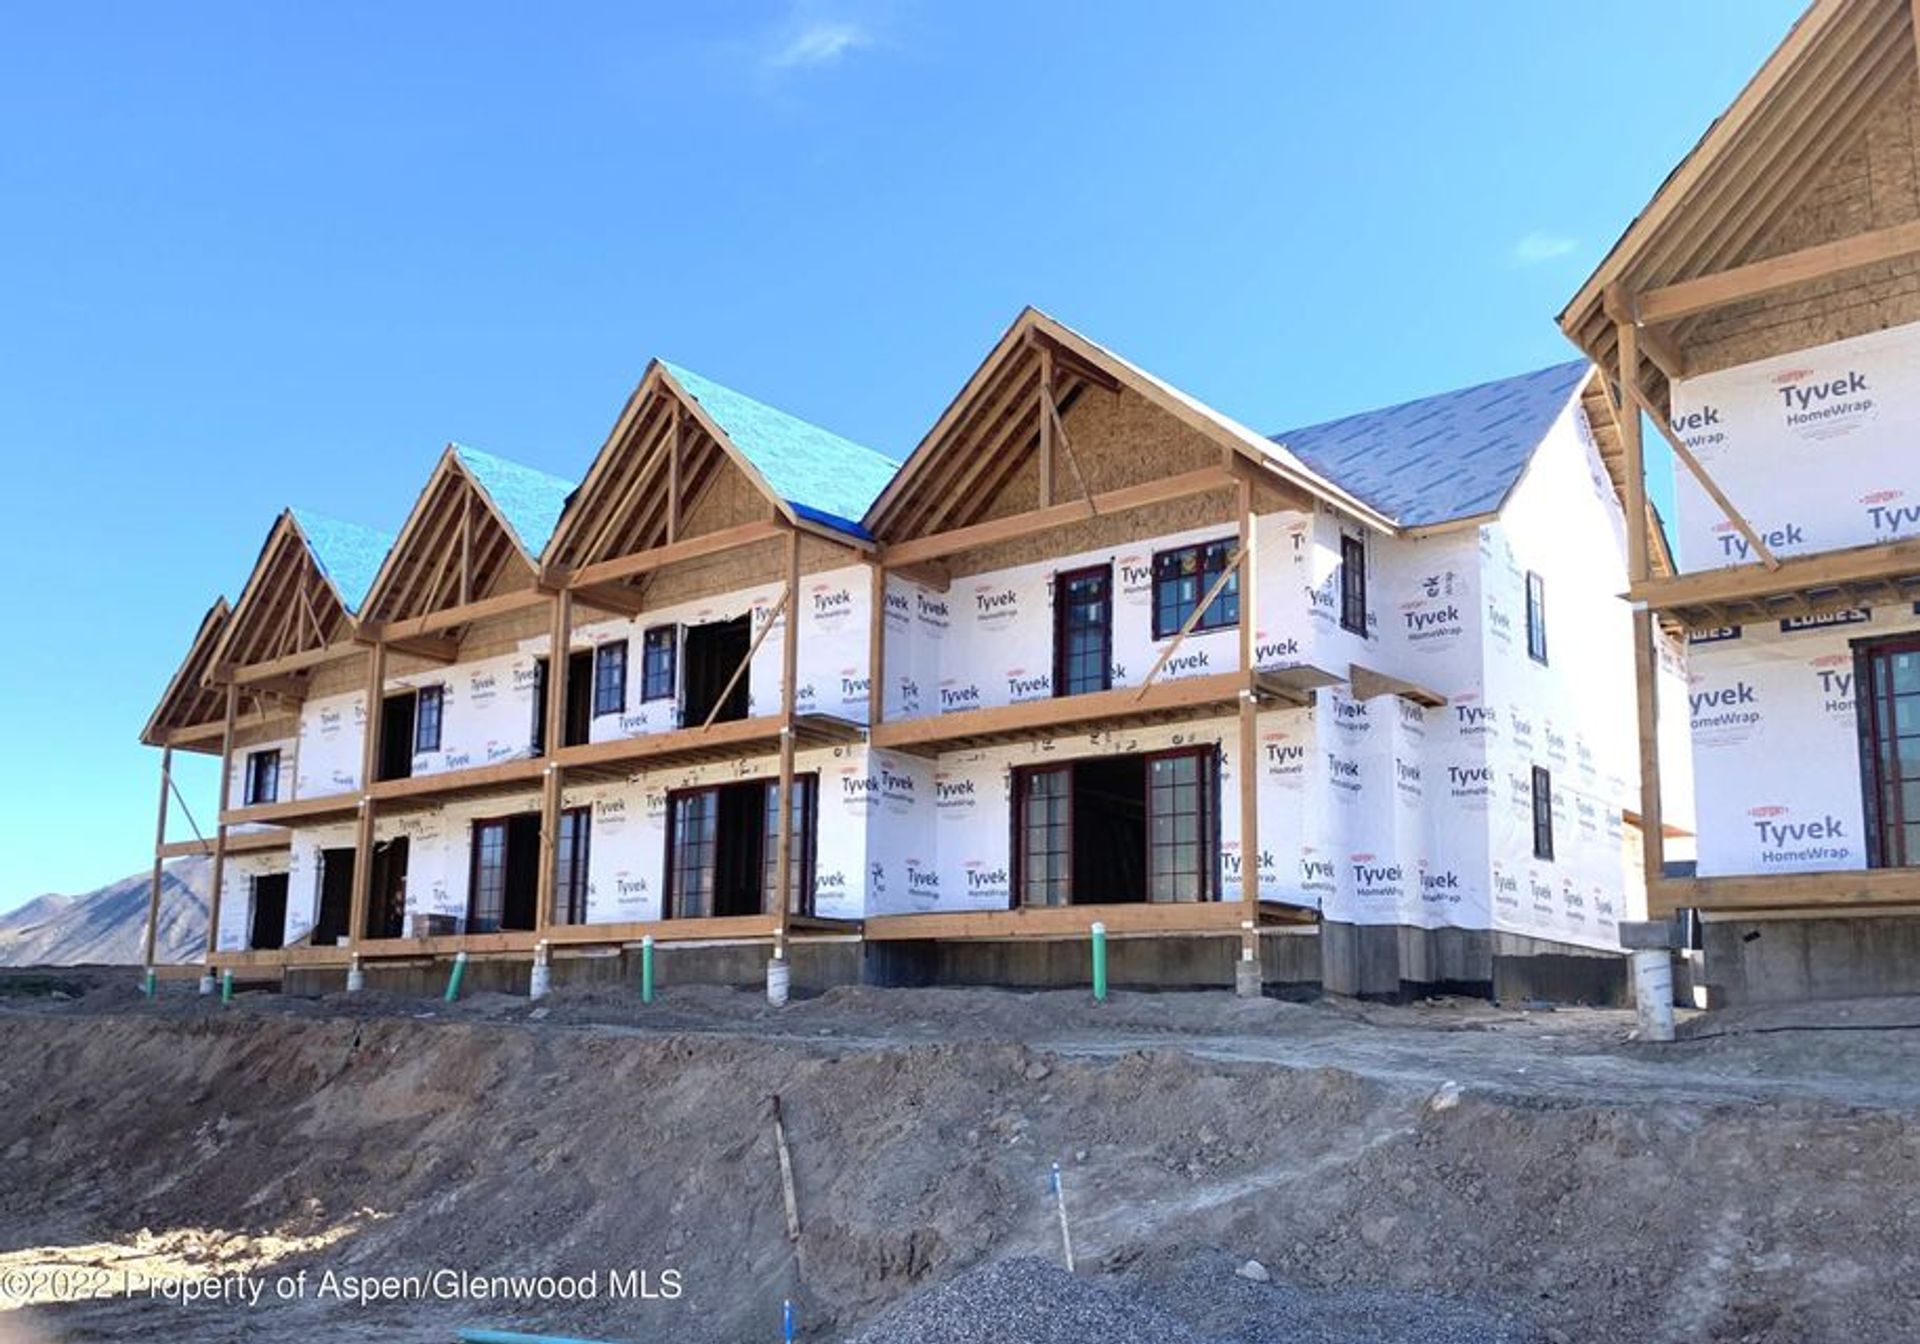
(786, 1172)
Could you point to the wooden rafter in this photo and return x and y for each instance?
(284, 577)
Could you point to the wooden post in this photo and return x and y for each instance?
(1646, 659)
(159, 862)
(1046, 427)
(218, 874)
(1635, 459)
(369, 769)
(789, 685)
(673, 473)
(559, 644)
(877, 646)
(1249, 750)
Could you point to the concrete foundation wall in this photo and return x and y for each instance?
(1788, 960)
(1289, 959)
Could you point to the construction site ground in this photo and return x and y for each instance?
(1443, 1171)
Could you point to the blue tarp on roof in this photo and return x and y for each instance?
(1450, 456)
(529, 499)
(348, 554)
(823, 476)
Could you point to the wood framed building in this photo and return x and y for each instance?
(1130, 642)
(1763, 312)
(1271, 709)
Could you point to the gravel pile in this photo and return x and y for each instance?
(1035, 1301)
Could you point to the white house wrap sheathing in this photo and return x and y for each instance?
(1816, 448)
(1375, 812)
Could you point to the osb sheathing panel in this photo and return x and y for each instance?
(250, 730)
(730, 571)
(502, 634)
(1118, 439)
(727, 500)
(1874, 184)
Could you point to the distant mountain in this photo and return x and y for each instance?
(106, 927)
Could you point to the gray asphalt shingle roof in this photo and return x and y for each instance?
(1443, 457)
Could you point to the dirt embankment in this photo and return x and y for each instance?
(1744, 1189)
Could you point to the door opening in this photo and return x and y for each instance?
(387, 894)
(268, 926)
(578, 720)
(503, 882)
(336, 897)
(1116, 830)
(396, 735)
(713, 652)
(723, 849)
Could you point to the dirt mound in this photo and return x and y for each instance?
(1534, 1174)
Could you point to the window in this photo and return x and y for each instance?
(570, 880)
(1107, 830)
(657, 649)
(503, 884)
(1083, 631)
(1353, 584)
(800, 873)
(1536, 618)
(487, 901)
(610, 678)
(723, 848)
(426, 718)
(1887, 675)
(263, 777)
(1182, 577)
(1542, 814)
(1044, 834)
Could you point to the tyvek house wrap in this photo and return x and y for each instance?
(1816, 449)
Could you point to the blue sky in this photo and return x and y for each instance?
(257, 255)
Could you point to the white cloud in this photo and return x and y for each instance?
(818, 42)
(1537, 247)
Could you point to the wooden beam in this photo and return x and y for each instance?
(559, 646)
(159, 857)
(1800, 573)
(1646, 663)
(1859, 889)
(1045, 395)
(451, 618)
(877, 643)
(643, 562)
(369, 773)
(740, 670)
(1034, 922)
(789, 692)
(1365, 683)
(1193, 617)
(433, 650)
(251, 673)
(614, 597)
(217, 873)
(673, 473)
(1640, 401)
(942, 544)
(1633, 456)
(1247, 771)
(1685, 298)
(1216, 691)
(928, 574)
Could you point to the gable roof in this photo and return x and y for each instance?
(1445, 457)
(821, 475)
(527, 499)
(187, 700)
(348, 555)
(1722, 204)
(1008, 374)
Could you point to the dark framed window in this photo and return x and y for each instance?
(1083, 630)
(1536, 618)
(263, 777)
(1542, 814)
(427, 713)
(1118, 829)
(487, 894)
(570, 884)
(1179, 824)
(657, 673)
(610, 678)
(1043, 837)
(800, 876)
(1353, 584)
(1182, 577)
(1887, 707)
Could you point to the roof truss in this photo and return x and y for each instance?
(455, 550)
(288, 610)
(188, 702)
